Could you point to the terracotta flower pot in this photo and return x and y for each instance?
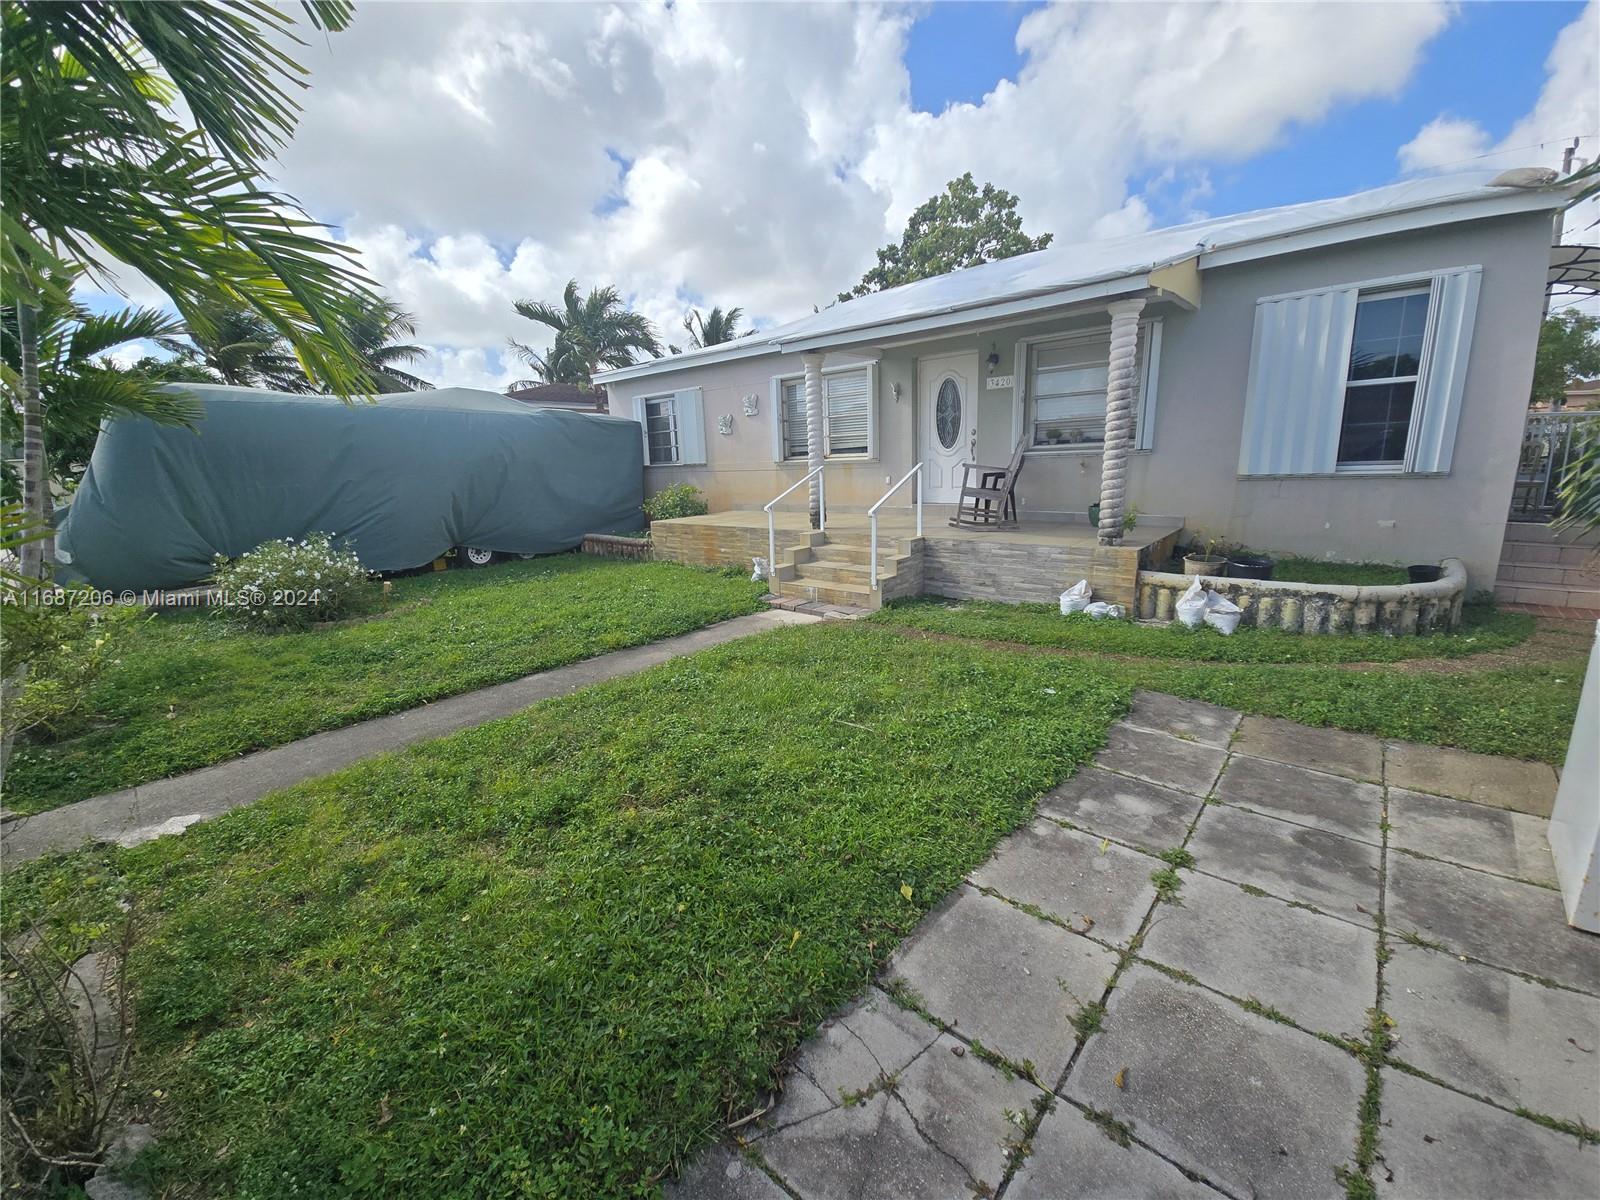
(1205, 564)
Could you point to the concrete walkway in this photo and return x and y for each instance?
(150, 810)
(1080, 1020)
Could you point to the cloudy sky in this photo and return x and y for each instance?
(756, 154)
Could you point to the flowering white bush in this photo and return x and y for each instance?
(290, 584)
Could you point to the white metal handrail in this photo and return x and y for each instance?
(872, 517)
(772, 529)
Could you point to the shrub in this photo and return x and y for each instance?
(679, 500)
(52, 654)
(289, 584)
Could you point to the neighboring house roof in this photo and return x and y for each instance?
(1067, 273)
(561, 395)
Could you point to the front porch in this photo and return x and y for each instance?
(1035, 562)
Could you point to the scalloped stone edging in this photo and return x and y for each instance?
(1399, 609)
(609, 545)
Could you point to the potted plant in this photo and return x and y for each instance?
(1094, 515)
(1208, 563)
(1250, 566)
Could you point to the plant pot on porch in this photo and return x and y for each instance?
(1250, 566)
(1204, 564)
(1094, 515)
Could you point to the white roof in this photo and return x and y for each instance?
(1063, 268)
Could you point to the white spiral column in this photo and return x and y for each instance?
(813, 368)
(1119, 418)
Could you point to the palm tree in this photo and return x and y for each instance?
(714, 328)
(593, 332)
(241, 347)
(98, 172)
(376, 331)
(78, 387)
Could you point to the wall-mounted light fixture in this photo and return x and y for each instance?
(994, 355)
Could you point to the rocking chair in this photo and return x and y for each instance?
(991, 503)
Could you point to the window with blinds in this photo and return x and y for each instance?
(1067, 382)
(661, 429)
(846, 415)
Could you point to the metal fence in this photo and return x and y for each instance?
(1550, 441)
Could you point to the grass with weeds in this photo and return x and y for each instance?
(1482, 629)
(1168, 884)
(1316, 570)
(551, 955)
(189, 690)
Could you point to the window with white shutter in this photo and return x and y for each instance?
(848, 417)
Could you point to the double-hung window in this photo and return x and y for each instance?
(661, 430)
(1380, 393)
(846, 414)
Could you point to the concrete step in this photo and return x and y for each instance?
(829, 591)
(1578, 579)
(850, 552)
(1537, 533)
(835, 569)
(1537, 554)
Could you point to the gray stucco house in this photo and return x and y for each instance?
(1346, 378)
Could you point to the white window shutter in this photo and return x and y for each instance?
(1144, 425)
(847, 396)
(691, 426)
(1294, 401)
(644, 432)
(1451, 315)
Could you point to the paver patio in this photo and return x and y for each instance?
(1054, 1030)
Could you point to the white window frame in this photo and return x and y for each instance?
(1389, 290)
(670, 399)
(778, 381)
(1144, 410)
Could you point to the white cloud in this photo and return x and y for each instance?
(1568, 107)
(758, 154)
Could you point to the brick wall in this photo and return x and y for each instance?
(973, 569)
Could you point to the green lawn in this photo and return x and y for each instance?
(189, 690)
(1043, 625)
(1316, 570)
(552, 955)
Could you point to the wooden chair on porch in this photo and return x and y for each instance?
(991, 502)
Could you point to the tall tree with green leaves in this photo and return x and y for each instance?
(1569, 351)
(99, 172)
(241, 347)
(592, 332)
(960, 227)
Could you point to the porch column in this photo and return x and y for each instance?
(1119, 418)
(813, 367)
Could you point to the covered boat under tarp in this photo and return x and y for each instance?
(400, 480)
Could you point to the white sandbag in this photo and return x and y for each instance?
(1075, 598)
(1221, 613)
(1101, 609)
(760, 572)
(1191, 606)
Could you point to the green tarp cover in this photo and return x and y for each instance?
(400, 479)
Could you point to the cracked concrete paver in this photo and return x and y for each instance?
(1192, 719)
(1501, 921)
(1495, 1034)
(1306, 797)
(1003, 978)
(1072, 1156)
(1161, 758)
(1106, 804)
(720, 1174)
(1354, 755)
(1258, 1108)
(1084, 881)
(1335, 874)
(1491, 839)
(1438, 1145)
(1320, 972)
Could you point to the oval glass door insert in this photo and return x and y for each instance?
(947, 414)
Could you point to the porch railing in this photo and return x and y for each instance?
(872, 518)
(772, 529)
(1550, 442)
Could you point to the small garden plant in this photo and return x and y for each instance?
(679, 500)
(291, 584)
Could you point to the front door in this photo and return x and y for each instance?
(947, 421)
